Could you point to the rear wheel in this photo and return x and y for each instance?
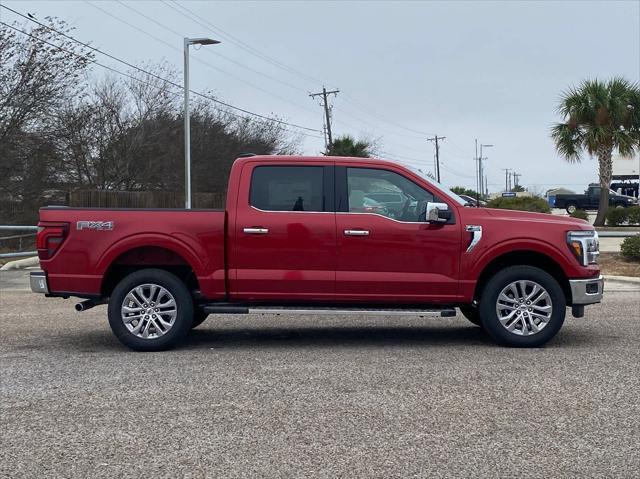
(522, 306)
(571, 208)
(472, 314)
(150, 310)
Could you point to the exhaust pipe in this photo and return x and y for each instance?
(88, 304)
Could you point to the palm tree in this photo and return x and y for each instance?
(347, 146)
(599, 117)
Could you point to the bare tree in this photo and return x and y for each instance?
(59, 131)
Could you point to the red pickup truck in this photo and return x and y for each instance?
(321, 235)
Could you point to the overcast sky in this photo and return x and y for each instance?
(405, 70)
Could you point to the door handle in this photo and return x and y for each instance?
(256, 231)
(356, 232)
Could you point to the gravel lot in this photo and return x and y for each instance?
(303, 396)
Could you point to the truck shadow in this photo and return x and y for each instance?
(334, 336)
(268, 337)
(330, 336)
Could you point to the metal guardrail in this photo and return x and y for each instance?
(18, 228)
(618, 234)
(19, 254)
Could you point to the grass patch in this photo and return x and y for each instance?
(618, 265)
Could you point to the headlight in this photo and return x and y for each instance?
(585, 246)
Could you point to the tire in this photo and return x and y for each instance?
(198, 318)
(526, 318)
(472, 314)
(571, 208)
(621, 205)
(174, 310)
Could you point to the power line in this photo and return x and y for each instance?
(230, 60)
(146, 72)
(236, 41)
(455, 172)
(360, 106)
(190, 14)
(200, 60)
(420, 163)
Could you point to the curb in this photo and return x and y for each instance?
(622, 279)
(21, 264)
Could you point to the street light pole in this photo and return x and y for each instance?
(187, 122)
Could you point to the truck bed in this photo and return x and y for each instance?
(100, 242)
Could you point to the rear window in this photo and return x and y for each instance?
(287, 188)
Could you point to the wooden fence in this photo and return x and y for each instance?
(18, 213)
(12, 212)
(143, 199)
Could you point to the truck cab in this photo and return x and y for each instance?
(325, 235)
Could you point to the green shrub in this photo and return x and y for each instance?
(630, 248)
(521, 203)
(617, 216)
(634, 215)
(580, 214)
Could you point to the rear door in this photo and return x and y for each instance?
(285, 233)
(388, 253)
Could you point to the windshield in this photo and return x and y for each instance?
(429, 180)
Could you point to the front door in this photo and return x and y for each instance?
(387, 252)
(594, 197)
(285, 235)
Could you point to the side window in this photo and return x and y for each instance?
(386, 193)
(287, 188)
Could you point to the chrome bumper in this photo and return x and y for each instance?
(586, 291)
(38, 281)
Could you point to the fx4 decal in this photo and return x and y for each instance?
(95, 225)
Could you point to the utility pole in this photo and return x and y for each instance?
(435, 140)
(477, 176)
(506, 179)
(515, 178)
(328, 140)
(481, 169)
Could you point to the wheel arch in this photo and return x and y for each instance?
(532, 258)
(136, 257)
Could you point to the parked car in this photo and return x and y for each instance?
(299, 236)
(473, 201)
(590, 200)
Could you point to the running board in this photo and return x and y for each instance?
(233, 309)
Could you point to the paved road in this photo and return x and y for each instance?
(300, 397)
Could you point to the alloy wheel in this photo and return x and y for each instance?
(149, 311)
(524, 307)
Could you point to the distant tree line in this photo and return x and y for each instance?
(461, 190)
(64, 127)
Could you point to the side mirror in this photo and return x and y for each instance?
(438, 213)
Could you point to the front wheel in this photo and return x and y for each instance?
(150, 310)
(522, 306)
